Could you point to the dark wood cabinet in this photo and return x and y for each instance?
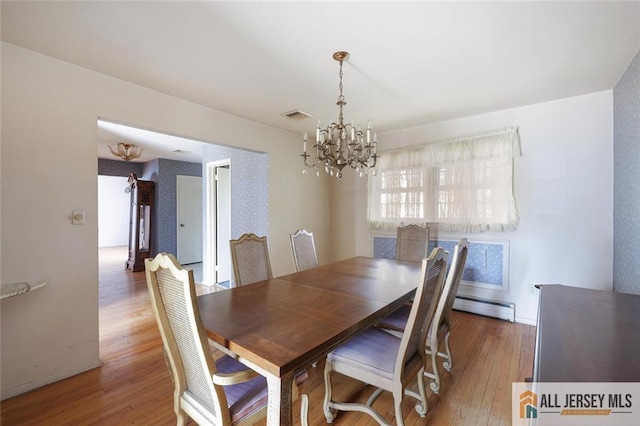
(586, 335)
(141, 216)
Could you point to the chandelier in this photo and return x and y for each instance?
(339, 145)
(126, 151)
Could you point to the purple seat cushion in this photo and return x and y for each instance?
(396, 320)
(248, 397)
(372, 351)
(243, 398)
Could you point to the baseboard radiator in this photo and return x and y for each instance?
(489, 308)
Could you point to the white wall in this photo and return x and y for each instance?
(49, 167)
(113, 211)
(563, 188)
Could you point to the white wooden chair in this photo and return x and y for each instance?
(304, 250)
(221, 392)
(412, 243)
(250, 258)
(386, 361)
(441, 327)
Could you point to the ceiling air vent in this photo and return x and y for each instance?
(296, 115)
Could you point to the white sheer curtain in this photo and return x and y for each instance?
(463, 184)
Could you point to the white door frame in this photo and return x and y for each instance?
(211, 272)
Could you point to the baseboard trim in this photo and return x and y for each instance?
(52, 378)
(526, 321)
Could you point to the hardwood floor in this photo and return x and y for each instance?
(133, 386)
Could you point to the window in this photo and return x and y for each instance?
(402, 194)
(464, 184)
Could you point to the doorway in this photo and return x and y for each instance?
(113, 212)
(219, 217)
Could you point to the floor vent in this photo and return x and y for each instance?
(489, 308)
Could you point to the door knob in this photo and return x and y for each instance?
(182, 225)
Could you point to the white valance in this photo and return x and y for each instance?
(494, 144)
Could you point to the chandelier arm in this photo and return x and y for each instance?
(304, 157)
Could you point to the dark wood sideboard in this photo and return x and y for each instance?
(587, 335)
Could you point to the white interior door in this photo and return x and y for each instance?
(189, 219)
(223, 224)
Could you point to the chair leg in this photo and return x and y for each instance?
(376, 393)
(434, 374)
(448, 364)
(421, 395)
(421, 407)
(304, 403)
(397, 403)
(304, 410)
(328, 412)
(435, 385)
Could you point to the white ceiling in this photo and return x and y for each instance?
(154, 145)
(411, 62)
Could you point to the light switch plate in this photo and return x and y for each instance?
(77, 217)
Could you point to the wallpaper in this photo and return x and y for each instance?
(626, 181)
(118, 168)
(249, 191)
(163, 172)
(249, 188)
(485, 261)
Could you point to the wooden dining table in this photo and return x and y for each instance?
(283, 325)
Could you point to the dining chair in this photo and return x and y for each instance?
(441, 327)
(211, 392)
(388, 362)
(250, 258)
(412, 243)
(304, 250)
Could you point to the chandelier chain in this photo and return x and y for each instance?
(341, 101)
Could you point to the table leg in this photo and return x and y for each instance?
(279, 410)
